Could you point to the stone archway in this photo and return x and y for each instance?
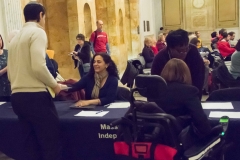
(87, 21)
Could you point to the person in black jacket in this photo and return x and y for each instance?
(178, 47)
(181, 98)
(147, 52)
(81, 55)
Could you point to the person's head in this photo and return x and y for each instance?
(12, 35)
(225, 36)
(214, 34)
(176, 70)
(102, 63)
(99, 25)
(197, 33)
(148, 41)
(232, 35)
(154, 41)
(35, 12)
(221, 31)
(238, 46)
(178, 43)
(161, 37)
(80, 39)
(1, 43)
(194, 41)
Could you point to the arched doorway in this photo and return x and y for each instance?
(128, 26)
(121, 27)
(87, 21)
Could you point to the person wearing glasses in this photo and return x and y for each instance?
(178, 47)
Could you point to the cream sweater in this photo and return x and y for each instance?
(27, 70)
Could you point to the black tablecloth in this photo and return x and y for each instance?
(89, 138)
(82, 137)
(233, 131)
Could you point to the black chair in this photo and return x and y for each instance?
(129, 74)
(142, 125)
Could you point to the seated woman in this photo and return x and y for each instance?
(5, 88)
(100, 84)
(181, 98)
(224, 47)
(235, 62)
(161, 42)
(147, 52)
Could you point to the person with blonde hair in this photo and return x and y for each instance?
(161, 42)
(147, 52)
(181, 97)
(153, 46)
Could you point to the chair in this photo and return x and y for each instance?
(142, 60)
(141, 127)
(129, 74)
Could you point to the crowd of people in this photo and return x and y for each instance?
(175, 56)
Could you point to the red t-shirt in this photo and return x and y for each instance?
(101, 41)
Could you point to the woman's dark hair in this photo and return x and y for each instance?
(221, 31)
(80, 37)
(32, 10)
(231, 33)
(214, 34)
(224, 34)
(2, 41)
(112, 68)
(177, 38)
(194, 41)
(238, 45)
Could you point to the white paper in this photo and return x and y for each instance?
(2, 103)
(222, 105)
(219, 114)
(92, 113)
(64, 87)
(119, 105)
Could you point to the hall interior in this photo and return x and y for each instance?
(127, 23)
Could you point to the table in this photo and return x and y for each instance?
(83, 138)
(89, 138)
(233, 131)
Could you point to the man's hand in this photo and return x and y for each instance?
(57, 89)
(82, 103)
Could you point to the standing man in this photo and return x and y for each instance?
(99, 40)
(197, 33)
(231, 38)
(29, 76)
(178, 47)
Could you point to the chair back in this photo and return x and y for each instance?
(141, 59)
(151, 86)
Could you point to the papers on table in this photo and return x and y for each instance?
(219, 114)
(222, 105)
(119, 105)
(92, 113)
(2, 103)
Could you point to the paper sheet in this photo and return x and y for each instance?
(92, 113)
(119, 105)
(2, 103)
(223, 105)
(219, 114)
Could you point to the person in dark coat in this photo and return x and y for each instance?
(178, 47)
(81, 55)
(147, 52)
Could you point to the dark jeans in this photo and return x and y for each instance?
(39, 125)
(81, 71)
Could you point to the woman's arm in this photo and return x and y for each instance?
(79, 85)
(4, 70)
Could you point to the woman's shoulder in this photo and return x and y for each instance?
(183, 89)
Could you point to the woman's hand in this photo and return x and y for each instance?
(82, 103)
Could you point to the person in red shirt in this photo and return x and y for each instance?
(153, 46)
(224, 47)
(99, 40)
(161, 42)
